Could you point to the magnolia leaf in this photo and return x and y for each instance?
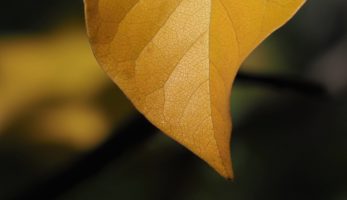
(176, 61)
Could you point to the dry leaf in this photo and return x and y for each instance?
(176, 60)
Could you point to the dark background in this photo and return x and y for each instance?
(57, 107)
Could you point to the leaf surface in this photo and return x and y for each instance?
(176, 61)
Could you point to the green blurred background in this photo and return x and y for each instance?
(56, 106)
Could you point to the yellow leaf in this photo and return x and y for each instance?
(176, 61)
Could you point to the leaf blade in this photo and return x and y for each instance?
(176, 60)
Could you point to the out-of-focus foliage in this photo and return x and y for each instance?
(54, 102)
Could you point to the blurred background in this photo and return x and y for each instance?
(57, 106)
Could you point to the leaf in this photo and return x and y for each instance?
(176, 61)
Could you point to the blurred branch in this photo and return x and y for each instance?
(283, 83)
(124, 140)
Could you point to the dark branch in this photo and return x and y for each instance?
(283, 83)
(129, 137)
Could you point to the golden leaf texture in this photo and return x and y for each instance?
(176, 61)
